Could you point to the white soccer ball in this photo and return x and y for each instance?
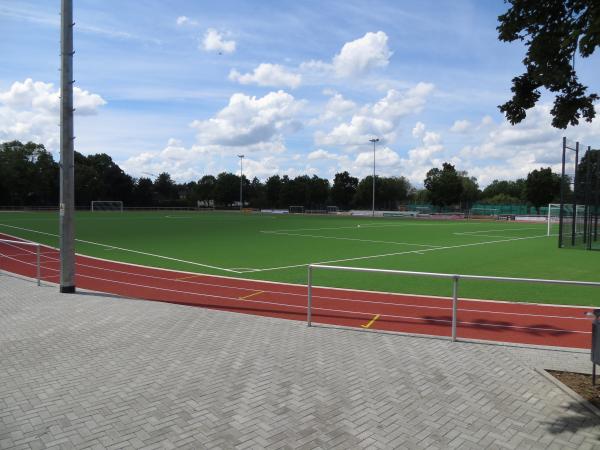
(358, 226)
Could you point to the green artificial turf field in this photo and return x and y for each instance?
(278, 247)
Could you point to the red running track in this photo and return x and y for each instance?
(560, 326)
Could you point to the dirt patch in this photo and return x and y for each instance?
(580, 383)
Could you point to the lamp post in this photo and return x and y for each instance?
(241, 179)
(374, 140)
(67, 166)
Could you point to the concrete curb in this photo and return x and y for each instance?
(570, 392)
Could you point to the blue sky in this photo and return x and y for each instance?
(298, 87)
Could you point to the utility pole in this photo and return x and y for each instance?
(241, 179)
(374, 140)
(67, 176)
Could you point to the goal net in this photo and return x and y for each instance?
(107, 205)
(482, 212)
(296, 209)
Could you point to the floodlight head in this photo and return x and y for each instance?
(374, 140)
(240, 156)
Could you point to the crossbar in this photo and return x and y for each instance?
(37, 254)
(454, 277)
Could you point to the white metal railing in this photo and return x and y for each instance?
(37, 254)
(454, 277)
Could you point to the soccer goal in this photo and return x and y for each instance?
(492, 213)
(107, 205)
(295, 209)
(573, 220)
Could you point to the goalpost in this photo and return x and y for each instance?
(570, 216)
(483, 211)
(107, 205)
(296, 209)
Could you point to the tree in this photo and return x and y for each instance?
(554, 32)
(28, 174)
(542, 187)
(391, 192)
(256, 195)
(470, 190)
(445, 186)
(273, 188)
(343, 190)
(514, 189)
(591, 158)
(165, 188)
(227, 189)
(205, 189)
(318, 192)
(143, 192)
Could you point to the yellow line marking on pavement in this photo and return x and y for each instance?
(368, 325)
(251, 295)
(187, 278)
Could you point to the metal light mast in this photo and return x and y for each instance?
(67, 179)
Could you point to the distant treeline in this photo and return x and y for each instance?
(29, 176)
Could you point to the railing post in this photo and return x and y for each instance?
(38, 270)
(454, 305)
(309, 305)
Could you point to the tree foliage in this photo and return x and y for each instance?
(554, 32)
(343, 190)
(445, 185)
(542, 187)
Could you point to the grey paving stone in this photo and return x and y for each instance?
(94, 371)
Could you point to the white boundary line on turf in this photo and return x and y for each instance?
(401, 253)
(504, 229)
(112, 247)
(279, 283)
(280, 233)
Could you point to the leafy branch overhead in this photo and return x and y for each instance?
(555, 32)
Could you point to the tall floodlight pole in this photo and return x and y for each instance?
(241, 179)
(374, 140)
(67, 185)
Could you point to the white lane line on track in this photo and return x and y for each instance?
(358, 258)
(333, 310)
(112, 247)
(412, 305)
(280, 233)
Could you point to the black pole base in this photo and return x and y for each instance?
(67, 289)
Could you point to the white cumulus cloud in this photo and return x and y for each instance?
(29, 110)
(268, 75)
(381, 119)
(184, 20)
(362, 54)
(461, 126)
(355, 58)
(215, 41)
(247, 121)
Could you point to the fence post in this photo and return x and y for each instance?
(38, 264)
(309, 306)
(455, 279)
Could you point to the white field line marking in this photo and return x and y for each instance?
(325, 297)
(354, 227)
(494, 230)
(483, 235)
(400, 253)
(112, 247)
(346, 239)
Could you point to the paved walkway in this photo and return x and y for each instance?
(85, 370)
